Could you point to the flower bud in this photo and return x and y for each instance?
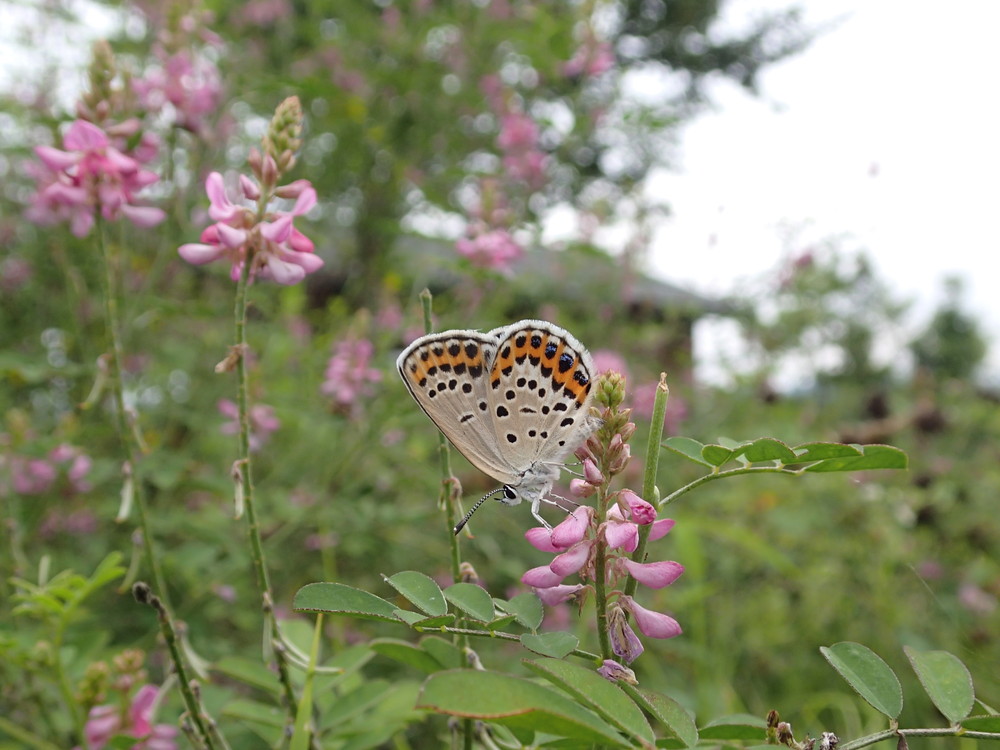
(591, 473)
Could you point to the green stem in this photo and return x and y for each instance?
(143, 595)
(600, 572)
(246, 481)
(448, 497)
(650, 469)
(126, 435)
(26, 738)
(729, 473)
(889, 734)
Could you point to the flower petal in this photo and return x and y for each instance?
(655, 575)
(541, 577)
(554, 595)
(652, 624)
(660, 529)
(621, 534)
(199, 254)
(573, 559)
(573, 528)
(540, 538)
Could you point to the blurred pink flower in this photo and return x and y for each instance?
(281, 252)
(349, 375)
(518, 142)
(591, 59)
(105, 722)
(607, 360)
(642, 404)
(489, 248)
(190, 83)
(91, 174)
(262, 422)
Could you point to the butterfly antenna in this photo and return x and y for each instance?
(461, 524)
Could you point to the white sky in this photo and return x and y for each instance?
(909, 87)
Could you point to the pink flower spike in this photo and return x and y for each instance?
(573, 528)
(573, 559)
(655, 575)
(541, 577)
(540, 538)
(554, 595)
(660, 529)
(641, 512)
(652, 624)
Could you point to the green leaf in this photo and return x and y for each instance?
(444, 651)
(419, 620)
(338, 599)
(406, 653)
(716, 455)
(471, 599)
(686, 447)
(985, 723)
(500, 622)
(526, 607)
(809, 452)
(743, 727)
(667, 711)
(870, 677)
(601, 696)
(946, 681)
(513, 702)
(556, 644)
(873, 457)
(421, 590)
(251, 672)
(765, 449)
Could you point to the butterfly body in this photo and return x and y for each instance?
(515, 401)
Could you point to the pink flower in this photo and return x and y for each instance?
(518, 140)
(573, 528)
(606, 360)
(280, 251)
(651, 624)
(540, 538)
(262, 422)
(572, 560)
(640, 511)
(90, 175)
(31, 476)
(189, 83)
(541, 577)
(591, 59)
(655, 575)
(490, 248)
(558, 594)
(620, 533)
(105, 722)
(349, 375)
(615, 672)
(624, 642)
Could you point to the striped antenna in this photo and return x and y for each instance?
(461, 524)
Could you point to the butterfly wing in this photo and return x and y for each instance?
(540, 385)
(448, 376)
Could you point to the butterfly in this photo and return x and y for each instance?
(514, 401)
